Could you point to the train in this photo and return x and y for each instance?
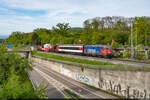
(105, 51)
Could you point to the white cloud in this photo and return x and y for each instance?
(71, 11)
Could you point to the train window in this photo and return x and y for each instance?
(61, 47)
(93, 47)
(70, 48)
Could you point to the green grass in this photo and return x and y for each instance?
(71, 94)
(82, 61)
(20, 48)
(92, 64)
(15, 88)
(67, 98)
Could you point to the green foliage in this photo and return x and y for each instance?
(19, 38)
(14, 81)
(1, 40)
(3, 49)
(41, 36)
(141, 32)
(126, 54)
(99, 30)
(40, 92)
(61, 31)
(35, 38)
(139, 47)
(97, 38)
(21, 48)
(116, 45)
(71, 94)
(141, 55)
(15, 88)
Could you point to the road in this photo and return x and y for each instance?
(114, 61)
(52, 91)
(58, 82)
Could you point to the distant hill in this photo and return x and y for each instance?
(3, 36)
(75, 29)
(1, 41)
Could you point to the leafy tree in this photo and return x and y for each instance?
(35, 38)
(61, 30)
(43, 35)
(97, 38)
(141, 30)
(14, 81)
(1, 41)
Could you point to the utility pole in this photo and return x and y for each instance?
(146, 36)
(132, 49)
(136, 37)
(136, 43)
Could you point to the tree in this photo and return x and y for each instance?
(44, 35)
(14, 81)
(141, 30)
(96, 30)
(35, 38)
(61, 30)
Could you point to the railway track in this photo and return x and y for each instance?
(113, 60)
(131, 60)
(73, 85)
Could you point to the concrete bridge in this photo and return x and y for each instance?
(23, 53)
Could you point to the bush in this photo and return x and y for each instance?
(14, 80)
(126, 54)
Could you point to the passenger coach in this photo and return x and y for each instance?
(70, 48)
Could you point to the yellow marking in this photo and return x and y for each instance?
(58, 68)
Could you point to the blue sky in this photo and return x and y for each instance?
(26, 15)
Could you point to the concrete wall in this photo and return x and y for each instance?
(24, 54)
(131, 84)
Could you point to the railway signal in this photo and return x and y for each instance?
(113, 41)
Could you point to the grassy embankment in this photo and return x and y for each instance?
(73, 95)
(14, 88)
(101, 65)
(20, 48)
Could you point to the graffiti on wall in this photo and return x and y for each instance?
(127, 92)
(59, 69)
(64, 71)
(82, 78)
